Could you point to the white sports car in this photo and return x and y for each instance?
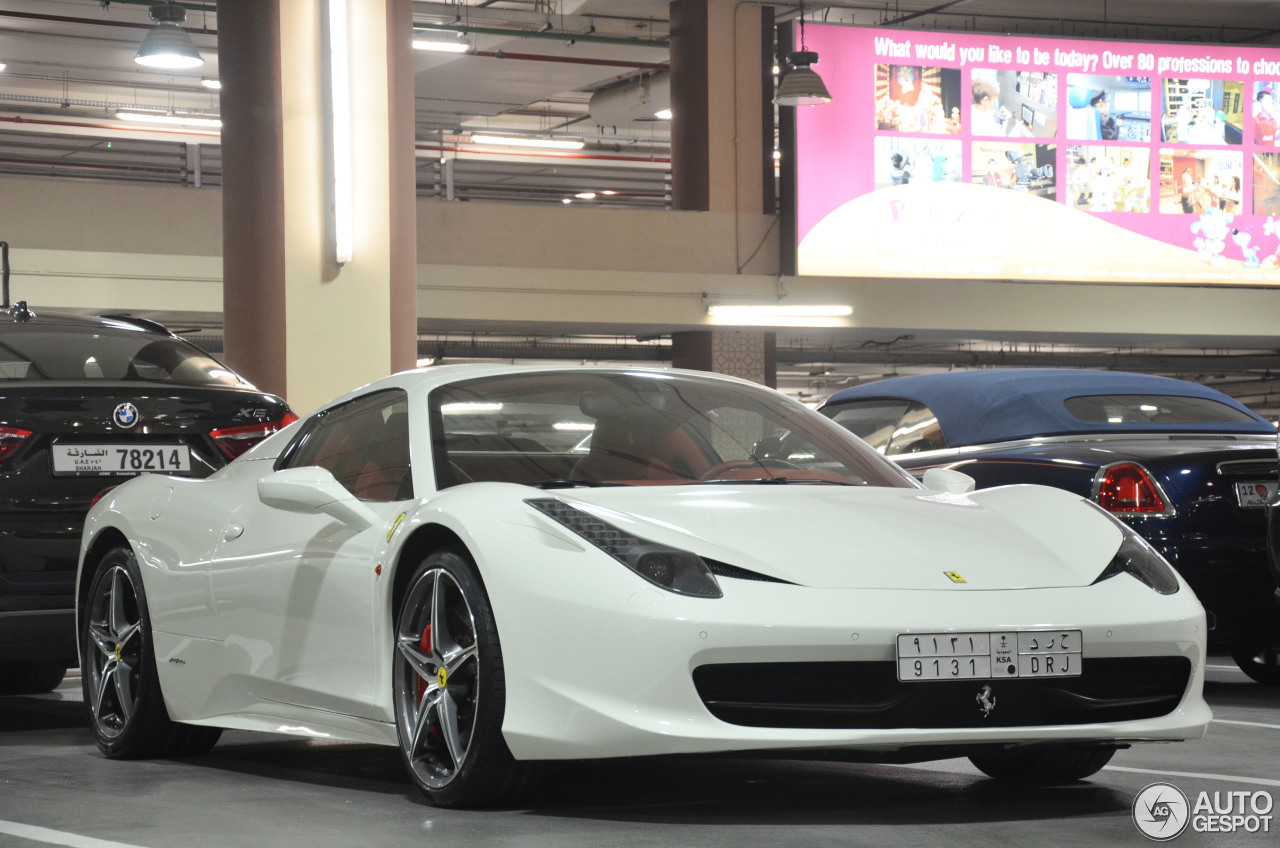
(491, 566)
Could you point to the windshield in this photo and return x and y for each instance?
(639, 428)
(59, 352)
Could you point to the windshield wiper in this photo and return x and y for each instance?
(771, 481)
(563, 483)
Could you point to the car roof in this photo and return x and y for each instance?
(979, 407)
(10, 321)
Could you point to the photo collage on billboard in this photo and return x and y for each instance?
(1141, 147)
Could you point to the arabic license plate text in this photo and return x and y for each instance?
(120, 460)
(1255, 493)
(986, 655)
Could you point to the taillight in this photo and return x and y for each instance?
(102, 495)
(1127, 488)
(234, 441)
(11, 438)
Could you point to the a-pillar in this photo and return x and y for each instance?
(296, 322)
(749, 354)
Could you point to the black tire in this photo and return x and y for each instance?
(450, 690)
(118, 674)
(1043, 764)
(1260, 661)
(30, 678)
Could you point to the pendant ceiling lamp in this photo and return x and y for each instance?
(167, 45)
(801, 85)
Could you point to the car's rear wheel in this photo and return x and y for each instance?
(1261, 661)
(1043, 764)
(450, 690)
(30, 678)
(118, 674)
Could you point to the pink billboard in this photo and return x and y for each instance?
(965, 156)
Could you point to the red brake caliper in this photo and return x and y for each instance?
(425, 645)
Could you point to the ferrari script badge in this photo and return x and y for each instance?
(986, 701)
(442, 676)
(125, 415)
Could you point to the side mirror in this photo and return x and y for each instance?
(312, 490)
(947, 480)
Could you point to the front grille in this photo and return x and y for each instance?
(868, 695)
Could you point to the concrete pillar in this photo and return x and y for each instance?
(297, 323)
(721, 103)
(749, 354)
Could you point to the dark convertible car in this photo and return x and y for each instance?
(85, 403)
(1188, 467)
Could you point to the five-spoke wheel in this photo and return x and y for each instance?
(121, 687)
(449, 686)
(113, 659)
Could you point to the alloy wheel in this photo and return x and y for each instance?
(437, 677)
(114, 651)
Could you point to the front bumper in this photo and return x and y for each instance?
(609, 672)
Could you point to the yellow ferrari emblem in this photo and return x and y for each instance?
(395, 524)
(442, 676)
(955, 578)
(117, 652)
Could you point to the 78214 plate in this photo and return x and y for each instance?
(990, 654)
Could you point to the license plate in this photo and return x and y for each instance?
(988, 655)
(1255, 493)
(119, 460)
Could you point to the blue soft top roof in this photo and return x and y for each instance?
(977, 407)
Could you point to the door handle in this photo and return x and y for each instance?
(232, 532)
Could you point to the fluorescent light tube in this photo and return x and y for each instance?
(558, 144)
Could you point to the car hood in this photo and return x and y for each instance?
(1010, 537)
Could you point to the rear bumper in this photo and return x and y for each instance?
(39, 636)
(38, 554)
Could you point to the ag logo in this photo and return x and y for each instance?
(1161, 812)
(126, 415)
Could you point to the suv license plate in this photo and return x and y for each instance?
(989, 655)
(119, 460)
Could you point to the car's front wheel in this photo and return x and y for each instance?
(118, 673)
(1043, 764)
(1261, 661)
(450, 687)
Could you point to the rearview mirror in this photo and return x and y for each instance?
(947, 480)
(313, 490)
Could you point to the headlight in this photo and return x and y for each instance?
(1138, 558)
(672, 569)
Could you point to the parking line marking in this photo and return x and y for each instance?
(1245, 723)
(1224, 668)
(58, 837)
(1256, 781)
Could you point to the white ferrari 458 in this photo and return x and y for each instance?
(492, 566)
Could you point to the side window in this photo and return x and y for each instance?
(364, 444)
(873, 421)
(917, 431)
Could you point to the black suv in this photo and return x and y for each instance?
(85, 402)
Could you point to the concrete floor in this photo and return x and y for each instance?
(259, 790)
